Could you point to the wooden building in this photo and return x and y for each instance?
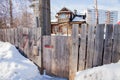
(64, 20)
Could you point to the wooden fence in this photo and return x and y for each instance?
(27, 40)
(65, 55)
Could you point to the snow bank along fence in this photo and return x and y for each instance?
(27, 40)
(65, 55)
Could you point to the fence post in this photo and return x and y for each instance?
(74, 54)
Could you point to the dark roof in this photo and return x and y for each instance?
(64, 10)
(78, 18)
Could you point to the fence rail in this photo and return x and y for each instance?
(65, 55)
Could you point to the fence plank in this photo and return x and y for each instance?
(108, 44)
(82, 53)
(116, 45)
(74, 54)
(99, 39)
(90, 46)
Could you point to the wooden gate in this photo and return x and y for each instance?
(56, 53)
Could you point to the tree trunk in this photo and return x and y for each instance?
(11, 15)
(44, 17)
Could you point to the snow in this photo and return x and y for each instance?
(54, 20)
(13, 66)
(78, 19)
(105, 72)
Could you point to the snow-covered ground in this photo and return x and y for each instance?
(106, 72)
(14, 66)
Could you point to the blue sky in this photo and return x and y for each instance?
(80, 5)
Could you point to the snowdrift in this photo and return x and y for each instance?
(106, 72)
(13, 66)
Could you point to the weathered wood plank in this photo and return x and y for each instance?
(108, 44)
(99, 39)
(90, 46)
(15, 37)
(116, 45)
(74, 55)
(47, 54)
(82, 53)
(62, 56)
(39, 46)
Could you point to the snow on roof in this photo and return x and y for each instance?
(54, 20)
(78, 19)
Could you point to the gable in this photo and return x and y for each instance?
(64, 10)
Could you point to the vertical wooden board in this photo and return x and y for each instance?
(58, 55)
(0, 34)
(36, 47)
(90, 46)
(16, 37)
(24, 40)
(66, 55)
(82, 53)
(31, 43)
(108, 44)
(74, 55)
(20, 31)
(99, 39)
(8, 35)
(39, 45)
(12, 36)
(53, 43)
(47, 54)
(26, 46)
(116, 45)
(62, 56)
(3, 32)
(5, 37)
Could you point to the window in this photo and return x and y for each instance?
(37, 21)
(62, 16)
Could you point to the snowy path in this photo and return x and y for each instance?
(51, 78)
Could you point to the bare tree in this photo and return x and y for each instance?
(12, 17)
(11, 13)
